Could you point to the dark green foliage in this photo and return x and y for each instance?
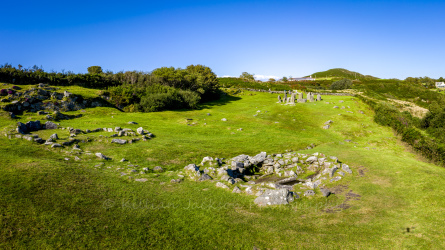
(95, 70)
(341, 84)
(167, 88)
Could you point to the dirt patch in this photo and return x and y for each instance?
(345, 205)
(412, 108)
(338, 189)
(361, 171)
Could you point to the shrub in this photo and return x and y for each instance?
(341, 84)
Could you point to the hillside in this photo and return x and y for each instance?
(67, 197)
(341, 73)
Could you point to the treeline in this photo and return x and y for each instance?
(234, 82)
(36, 75)
(163, 88)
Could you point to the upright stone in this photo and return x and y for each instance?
(311, 97)
(292, 99)
(318, 97)
(300, 95)
(279, 99)
(285, 95)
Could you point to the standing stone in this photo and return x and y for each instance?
(279, 99)
(318, 97)
(300, 95)
(285, 95)
(292, 99)
(311, 97)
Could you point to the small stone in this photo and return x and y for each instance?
(56, 145)
(236, 190)
(309, 193)
(101, 156)
(132, 122)
(141, 179)
(158, 169)
(222, 185)
(224, 119)
(123, 159)
(119, 141)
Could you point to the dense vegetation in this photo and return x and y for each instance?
(167, 88)
(162, 89)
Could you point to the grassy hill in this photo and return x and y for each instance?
(49, 200)
(341, 73)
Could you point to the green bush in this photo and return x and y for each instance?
(341, 84)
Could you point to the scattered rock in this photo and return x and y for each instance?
(222, 185)
(54, 137)
(141, 179)
(204, 177)
(132, 122)
(325, 192)
(158, 169)
(236, 190)
(56, 145)
(119, 141)
(101, 156)
(50, 125)
(224, 119)
(309, 193)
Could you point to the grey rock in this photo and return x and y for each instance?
(158, 169)
(236, 190)
(346, 168)
(50, 125)
(101, 156)
(312, 159)
(119, 141)
(141, 179)
(309, 193)
(259, 158)
(326, 126)
(140, 131)
(56, 145)
(337, 178)
(274, 197)
(123, 159)
(132, 122)
(336, 107)
(325, 192)
(204, 177)
(332, 171)
(222, 185)
(224, 119)
(54, 137)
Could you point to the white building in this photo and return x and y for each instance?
(440, 85)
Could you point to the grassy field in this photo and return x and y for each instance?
(394, 198)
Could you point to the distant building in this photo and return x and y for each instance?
(298, 79)
(440, 85)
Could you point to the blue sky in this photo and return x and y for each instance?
(387, 39)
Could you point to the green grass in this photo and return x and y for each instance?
(47, 202)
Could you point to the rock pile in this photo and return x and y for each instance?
(273, 178)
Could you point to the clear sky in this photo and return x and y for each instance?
(387, 39)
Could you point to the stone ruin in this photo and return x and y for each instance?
(292, 99)
(275, 179)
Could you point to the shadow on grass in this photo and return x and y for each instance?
(224, 100)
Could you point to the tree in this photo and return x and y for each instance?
(271, 80)
(284, 79)
(247, 77)
(94, 70)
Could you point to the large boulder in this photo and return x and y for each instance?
(274, 197)
(50, 125)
